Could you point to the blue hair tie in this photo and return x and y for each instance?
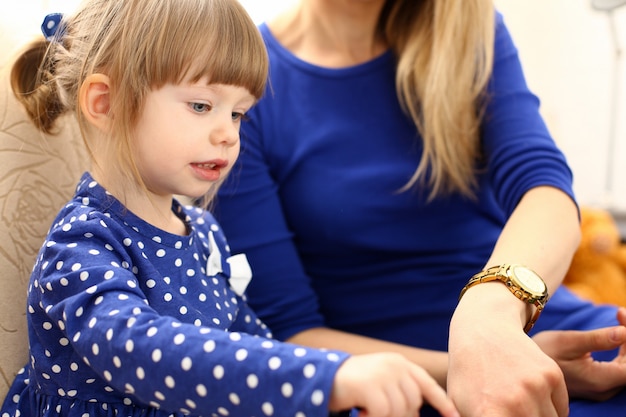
(52, 28)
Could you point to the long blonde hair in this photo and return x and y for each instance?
(140, 45)
(445, 57)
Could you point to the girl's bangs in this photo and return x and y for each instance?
(221, 44)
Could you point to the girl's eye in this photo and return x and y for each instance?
(239, 116)
(200, 107)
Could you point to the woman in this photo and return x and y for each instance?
(398, 154)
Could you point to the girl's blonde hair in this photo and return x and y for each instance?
(445, 57)
(140, 45)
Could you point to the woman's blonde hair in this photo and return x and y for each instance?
(140, 45)
(445, 57)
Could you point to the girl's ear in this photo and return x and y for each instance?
(94, 99)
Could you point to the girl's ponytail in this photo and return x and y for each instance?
(33, 84)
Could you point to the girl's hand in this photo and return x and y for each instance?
(386, 385)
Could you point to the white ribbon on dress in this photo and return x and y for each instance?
(240, 271)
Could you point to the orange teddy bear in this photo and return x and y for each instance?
(598, 269)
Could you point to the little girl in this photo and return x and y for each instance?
(135, 304)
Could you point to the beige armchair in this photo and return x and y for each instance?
(38, 174)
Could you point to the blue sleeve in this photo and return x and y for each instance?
(520, 152)
(255, 223)
(105, 317)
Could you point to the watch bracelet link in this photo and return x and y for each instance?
(501, 270)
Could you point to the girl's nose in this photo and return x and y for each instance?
(225, 133)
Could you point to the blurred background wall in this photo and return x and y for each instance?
(569, 56)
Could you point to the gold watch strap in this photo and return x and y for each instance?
(492, 274)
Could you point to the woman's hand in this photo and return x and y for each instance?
(386, 385)
(586, 377)
(495, 369)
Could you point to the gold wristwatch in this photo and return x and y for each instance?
(523, 282)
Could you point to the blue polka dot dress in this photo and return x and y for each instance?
(125, 319)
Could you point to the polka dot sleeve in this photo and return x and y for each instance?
(122, 313)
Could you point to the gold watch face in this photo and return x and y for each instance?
(529, 280)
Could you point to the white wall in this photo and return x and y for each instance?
(568, 56)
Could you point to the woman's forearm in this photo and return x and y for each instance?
(542, 233)
(434, 362)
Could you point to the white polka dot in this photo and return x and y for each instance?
(317, 398)
(268, 409)
(150, 283)
(141, 374)
(84, 275)
(209, 346)
(234, 398)
(299, 352)
(152, 331)
(252, 381)
(95, 349)
(274, 363)
(159, 395)
(309, 371)
(201, 390)
(160, 253)
(218, 372)
(241, 354)
(186, 363)
(286, 389)
(179, 339)
(169, 382)
(333, 357)
(156, 355)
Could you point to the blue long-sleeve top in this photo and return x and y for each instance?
(314, 201)
(126, 319)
